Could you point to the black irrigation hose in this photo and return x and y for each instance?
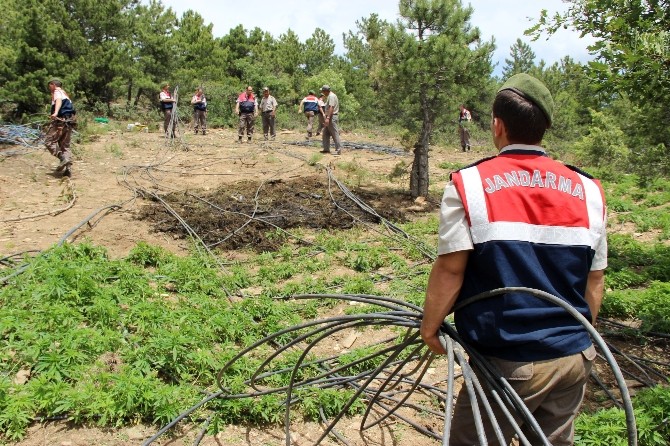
(594, 376)
(203, 430)
(636, 330)
(646, 380)
(595, 336)
(393, 370)
(426, 251)
(360, 146)
(181, 416)
(337, 435)
(62, 240)
(8, 260)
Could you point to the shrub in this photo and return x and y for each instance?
(603, 146)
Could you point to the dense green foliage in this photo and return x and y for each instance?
(608, 427)
(522, 60)
(115, 342)
(122, 341)
(630, 71)
(432, 55)
(412, 73)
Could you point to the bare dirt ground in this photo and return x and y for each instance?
(112, 200)
(124, 169)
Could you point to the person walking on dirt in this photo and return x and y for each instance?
(199, 102)
(246, 108)
(310, 107)
(269, 112)
(330, 121)
(167, 104)
(63, 121)
(464, 118)
(521, 219)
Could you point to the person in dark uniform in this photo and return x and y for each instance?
(246, 108)
(199, 102)
(167, 105)
(521, 219)
(310, 107)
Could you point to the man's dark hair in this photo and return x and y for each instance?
(525, 122)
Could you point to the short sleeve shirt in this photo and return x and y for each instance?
(332, 102)
(268, 104)
(58, 94)
(195, 99)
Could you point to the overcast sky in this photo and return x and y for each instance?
(504, 20)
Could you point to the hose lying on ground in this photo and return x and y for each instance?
(394, 371)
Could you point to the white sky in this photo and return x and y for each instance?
(505, 20)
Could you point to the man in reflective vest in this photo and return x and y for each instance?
(247, 109)
(310, 107)
(199, 102)
(521, 219)
(167, 104)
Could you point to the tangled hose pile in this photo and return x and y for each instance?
(389, 378)
(20, 135)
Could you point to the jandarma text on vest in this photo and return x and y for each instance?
(523, 178)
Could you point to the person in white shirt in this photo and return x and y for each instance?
(63, 120)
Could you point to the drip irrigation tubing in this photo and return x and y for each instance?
(20, 269)
(22, 135)
(396, 368)
(377, 148)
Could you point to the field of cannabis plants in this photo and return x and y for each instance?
(115, 342)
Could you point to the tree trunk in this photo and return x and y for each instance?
(137, 98)
(419, 179)
(130, 93)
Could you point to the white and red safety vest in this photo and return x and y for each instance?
(534, 223)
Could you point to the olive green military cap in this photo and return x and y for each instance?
(533, 90)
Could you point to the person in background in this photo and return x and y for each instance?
(199, 111)
(246, 108)
(269, 112)
(310, 107)
(63, 120)
(521, 219)
(322, 113)
(330, 121)
(167, 104)
(464, 118)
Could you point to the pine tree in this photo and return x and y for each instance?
(428, 61)
(522, 60)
